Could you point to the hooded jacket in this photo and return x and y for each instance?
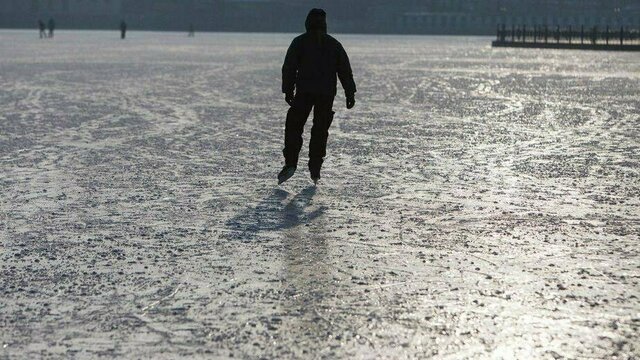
(314, 59)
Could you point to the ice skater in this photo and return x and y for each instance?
(310, 67)
(123, 30)
(52, 27)
(192, 31)
(43, 29)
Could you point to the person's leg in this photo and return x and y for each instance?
(322, 118)
(296, 118)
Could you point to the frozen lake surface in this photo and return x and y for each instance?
(476, 203)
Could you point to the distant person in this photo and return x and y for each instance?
(52, 27)
(310, 67)
(43, 29)
(123, 30)
(192, 31)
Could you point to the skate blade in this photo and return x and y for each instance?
(285, 177)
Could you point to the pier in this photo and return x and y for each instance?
(579, 38)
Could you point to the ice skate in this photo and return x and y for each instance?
(286, 173)
(315, 175)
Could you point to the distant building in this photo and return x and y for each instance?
(469, 16)
(361, 16)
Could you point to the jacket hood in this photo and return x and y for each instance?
(316, 20)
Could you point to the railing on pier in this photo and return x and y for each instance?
(568, 38)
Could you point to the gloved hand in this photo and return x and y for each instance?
(288, 97)
(351, 101)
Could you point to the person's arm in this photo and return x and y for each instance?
(290, 70)
(346, 76)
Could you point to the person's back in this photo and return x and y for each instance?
(309, 72)
(312, 63)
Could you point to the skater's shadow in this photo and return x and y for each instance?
(307, 280)
(273, 213)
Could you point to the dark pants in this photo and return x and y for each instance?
(296, 118)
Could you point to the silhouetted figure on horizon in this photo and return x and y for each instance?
(52, 27)
(310, 67)
(43, 29)
(123, 30)
(192, 31)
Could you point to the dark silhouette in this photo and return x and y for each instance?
(123, 30)
(594, 37)
(43, 29)
(310, 67)
(52, 27)
(192, 31)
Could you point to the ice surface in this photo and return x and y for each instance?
(477, 202)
